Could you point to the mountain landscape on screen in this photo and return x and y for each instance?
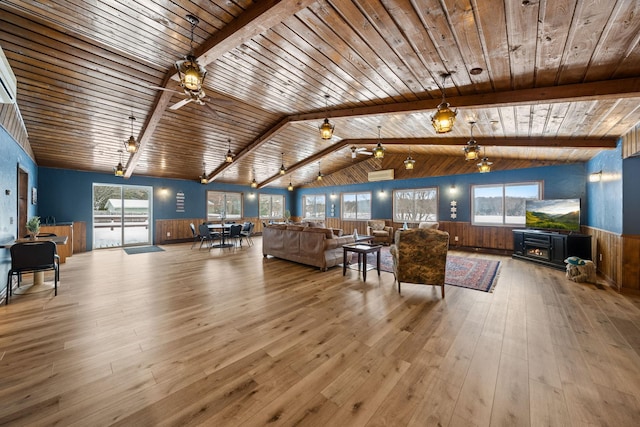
(553, 214)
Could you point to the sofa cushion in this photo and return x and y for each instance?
(316, 224)
(295, 227)
(376, 225)
(327, 231)
(380, 233)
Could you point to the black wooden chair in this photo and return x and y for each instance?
(234, 234)
(196, 236)
(207, 236)
(28, 257)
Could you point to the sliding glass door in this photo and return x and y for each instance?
(121, 215)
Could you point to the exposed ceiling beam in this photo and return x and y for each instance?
(255, 20)
(335, 147)
(502, 142)
(607, 89)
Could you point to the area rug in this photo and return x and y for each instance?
(143, 249)
(472, 273)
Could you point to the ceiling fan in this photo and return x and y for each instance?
(359, 150)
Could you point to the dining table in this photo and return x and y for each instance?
(223, 230)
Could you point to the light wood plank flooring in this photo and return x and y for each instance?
(223, 338)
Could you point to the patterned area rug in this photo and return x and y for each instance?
(472, 273)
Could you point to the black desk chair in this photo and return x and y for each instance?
(207, 236)
(28, 257)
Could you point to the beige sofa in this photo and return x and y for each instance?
(318, 247)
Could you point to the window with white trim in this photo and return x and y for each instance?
(502, 204)
(356, 206)
(223, 205)
(314, 206)
(415, 205)
(271, 206)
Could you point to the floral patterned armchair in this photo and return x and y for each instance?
(381, 232)
(420, 256)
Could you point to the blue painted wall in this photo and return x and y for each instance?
(560, 182)
(66, 195)
(631, 196)
(605, 197)
(12, 157)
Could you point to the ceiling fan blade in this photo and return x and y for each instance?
(212, 110)
(180, 104)
(219, 101)
(165, 89)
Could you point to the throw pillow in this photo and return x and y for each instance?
(376, 225)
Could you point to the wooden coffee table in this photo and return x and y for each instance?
(361, 249)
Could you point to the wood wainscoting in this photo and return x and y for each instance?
(179, 231)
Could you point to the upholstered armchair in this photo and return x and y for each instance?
(381, 232)
(420, 256)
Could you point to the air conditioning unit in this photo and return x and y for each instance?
(382, 175)
(8, 82)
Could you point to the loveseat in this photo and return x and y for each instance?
(318, 247)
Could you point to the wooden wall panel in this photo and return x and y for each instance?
(79, 237)
(179, 230)
(609, 245)
(630, 269)
(64, 251)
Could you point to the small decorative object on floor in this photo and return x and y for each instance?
(33, 226)
(581, 270)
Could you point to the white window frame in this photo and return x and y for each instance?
(362, 217)
(505, 221)
(272, 214)
(217, 214)
(416, 216)
(319, 209)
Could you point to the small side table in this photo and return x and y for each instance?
(361, 249)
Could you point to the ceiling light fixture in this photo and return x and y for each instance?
(229, 157)
(326, 128)
(378, 152)
(191, 73)
(444, 118)
(409, 163)
(319, 178)
(203, 178)
(290, 186)
(131, 145)
(254, 183)
(119, 170)
(485, 165)
(283, 170)
(472, 150)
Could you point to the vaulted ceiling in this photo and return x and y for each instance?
(546, 81)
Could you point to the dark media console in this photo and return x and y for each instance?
(550, 248)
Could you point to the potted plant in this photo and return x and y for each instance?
(33, 226)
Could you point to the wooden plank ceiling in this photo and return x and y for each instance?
(532, 74)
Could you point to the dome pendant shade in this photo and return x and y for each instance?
(326, 130)
(409, 163)
(444, 118)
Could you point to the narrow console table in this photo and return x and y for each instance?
(550, 248)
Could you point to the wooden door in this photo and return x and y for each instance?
(23, 201)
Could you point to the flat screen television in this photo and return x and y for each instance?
(557, 214)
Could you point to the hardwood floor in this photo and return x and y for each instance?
(221, 338)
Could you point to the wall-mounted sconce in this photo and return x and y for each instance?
(252, 195)
(381, 194)
(332, 196)
(454, 209)
(453, 189)
(595, 177)
(164, 191)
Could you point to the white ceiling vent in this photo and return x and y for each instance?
(8, 82)
(382, 175)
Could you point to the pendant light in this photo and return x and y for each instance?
(444, 118)
(485, 165)
(228, 158)
(319, 178)
(409, 163)
(283, 170)
(472, 150)
(254, 183)
(190, 72)
(290, 186)
(131, 145)
(326, 128)
(119, 170)
(378, 152)
(203, 178)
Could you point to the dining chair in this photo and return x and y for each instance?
(196, 236)
(206, 235)
(234, 234)
(28, 257)
(247, 231)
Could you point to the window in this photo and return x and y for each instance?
(221, 205)
(502, 204)
(356, 205)
(314, 206)
(415, 205)
(271, 206)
